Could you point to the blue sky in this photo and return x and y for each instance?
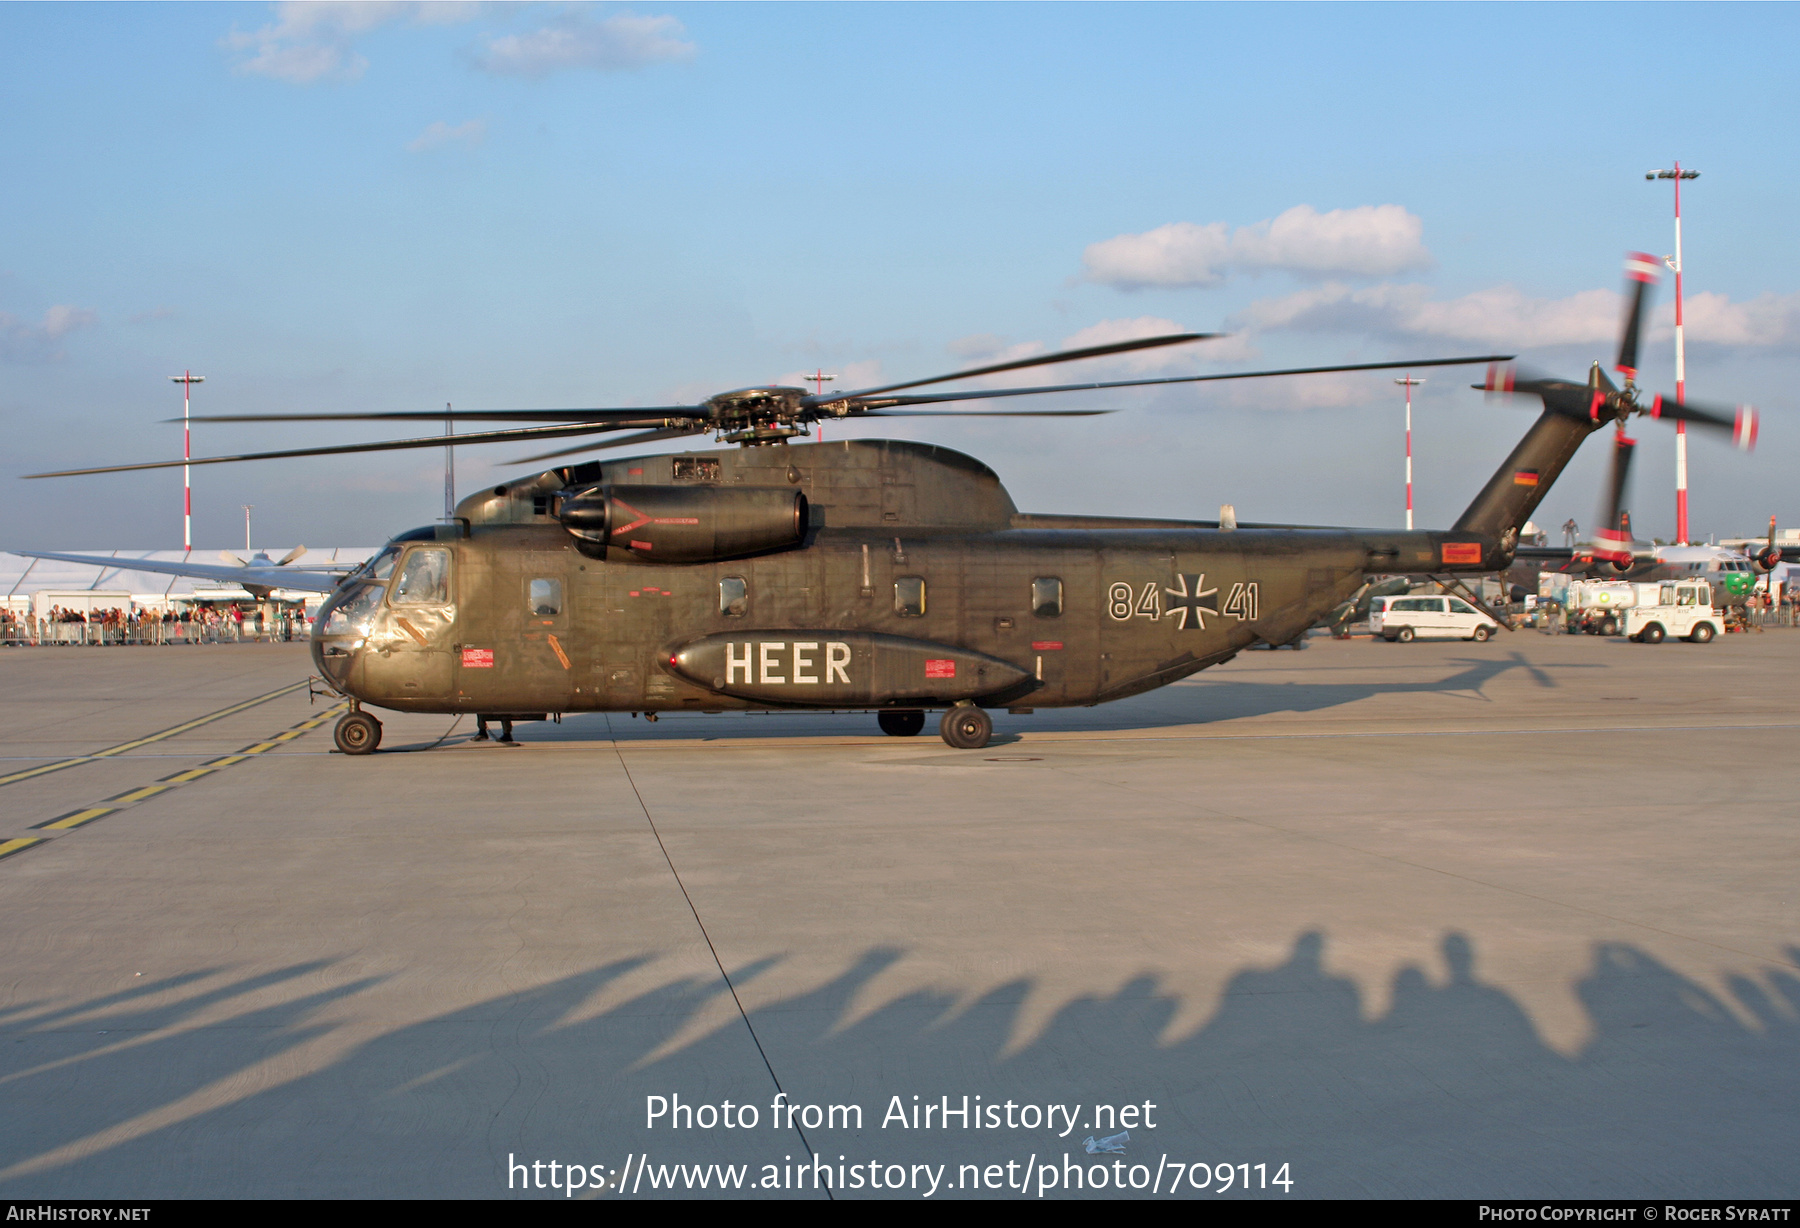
(392, 206)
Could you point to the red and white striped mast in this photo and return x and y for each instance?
(187, 380)
(1410, 384)
(1681, 485)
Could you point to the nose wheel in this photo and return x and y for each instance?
(967, 728)
(357, 733)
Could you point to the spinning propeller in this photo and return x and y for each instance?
(750, 416)
(1599, 400)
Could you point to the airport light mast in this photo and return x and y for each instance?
(1410, 383)
(187, 380)
(1674, 263)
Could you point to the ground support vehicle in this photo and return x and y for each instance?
(1684, 609)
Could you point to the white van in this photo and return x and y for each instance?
(1404, 619)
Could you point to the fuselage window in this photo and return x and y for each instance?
(1046, 597)
(909, 596)
(734, 596)
(544, 599)
(424, 578)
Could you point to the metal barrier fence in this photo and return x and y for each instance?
(44, 633)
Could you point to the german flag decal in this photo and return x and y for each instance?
(1463, 553)
(1525, 477)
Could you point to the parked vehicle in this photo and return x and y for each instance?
(1404, 619)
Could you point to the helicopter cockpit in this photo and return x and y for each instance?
(400, 601)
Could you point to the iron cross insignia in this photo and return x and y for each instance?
(1187, 598)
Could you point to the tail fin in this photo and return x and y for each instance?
(1513, 493)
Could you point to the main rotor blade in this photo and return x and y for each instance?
(1742, 421)
(1041, 360)
(981, 413)
(935, 397)
(1640, 279)
(671, 432)
(525, 434)
(479, 415)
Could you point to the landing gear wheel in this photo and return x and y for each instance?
(357, 733)
(1652, 634)
(1404, 635)
(1481, 635)
(967, 728)
(901, 723)
(1701, 634)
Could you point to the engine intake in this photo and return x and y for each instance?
(683, 524)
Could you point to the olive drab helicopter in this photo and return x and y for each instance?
(853, 574)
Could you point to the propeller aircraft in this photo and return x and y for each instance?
(870, 574)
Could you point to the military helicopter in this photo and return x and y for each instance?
(864, 574)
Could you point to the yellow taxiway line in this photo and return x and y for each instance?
(112, 805)
(221, 714)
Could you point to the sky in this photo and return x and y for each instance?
(391, 206)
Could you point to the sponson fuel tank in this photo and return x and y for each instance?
(683, 524)
(843, 668)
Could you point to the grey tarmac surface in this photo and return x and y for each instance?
(1515, 919)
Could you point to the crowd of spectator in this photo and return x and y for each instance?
(194, 624)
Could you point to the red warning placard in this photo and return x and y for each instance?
(940, 669)
(478, 658)
(1463, 553)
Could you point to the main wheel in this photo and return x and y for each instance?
(1481, 635)
(1701, 634)
(967, 728)
(1610, 627)
(1404, 635)
(900, 722)
(357, 733)
(1651, 634)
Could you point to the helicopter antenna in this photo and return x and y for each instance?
(449, 465)
(817, 380)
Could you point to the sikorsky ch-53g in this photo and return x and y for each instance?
(858, 574)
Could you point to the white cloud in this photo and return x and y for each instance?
(621, 41)
(314, 39)
(23, 341)
(440, 134)
(1367, 241)
(1505, 316)
(1500, 315)
(1771, 320)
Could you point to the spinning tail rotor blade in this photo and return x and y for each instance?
(1640, 279)
(1741, 421)
(1613, 542)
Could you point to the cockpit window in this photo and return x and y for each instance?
(382, 566)
(350, 616)
(425, 579)
(544, 598)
